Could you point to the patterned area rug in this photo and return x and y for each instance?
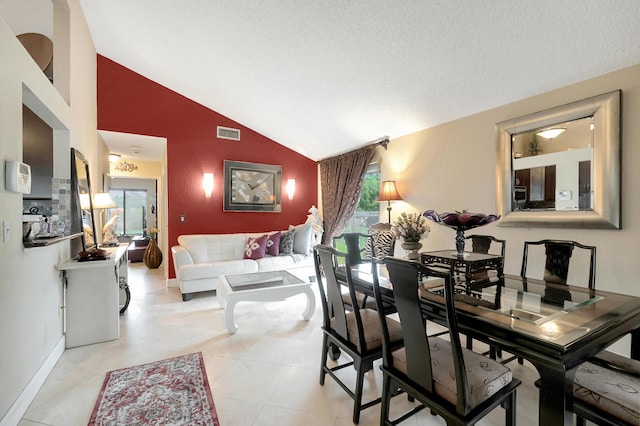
(173, 391)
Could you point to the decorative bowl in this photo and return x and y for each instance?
(461, 222)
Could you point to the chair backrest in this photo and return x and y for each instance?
(406, 278)
(333, 272)
(482, 243)
(355, 243)
(557, 258)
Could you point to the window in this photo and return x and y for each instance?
(132, 204)
(368, 210)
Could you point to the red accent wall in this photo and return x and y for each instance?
(131, 103)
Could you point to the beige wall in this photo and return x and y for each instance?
(452, 167)
(32, 292)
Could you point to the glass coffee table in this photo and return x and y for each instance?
(268, 286)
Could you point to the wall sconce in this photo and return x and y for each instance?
(389, 193)
(207, 184)
(114, 158)
(291, 188)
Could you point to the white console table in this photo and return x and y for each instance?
(92, 298)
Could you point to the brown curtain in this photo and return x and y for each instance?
(341, 180)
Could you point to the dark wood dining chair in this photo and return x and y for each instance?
(606, 391)
(455, 383)
(354, 243)
(355, 332)
(557, 259)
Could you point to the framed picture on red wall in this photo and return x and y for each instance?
(252, 187)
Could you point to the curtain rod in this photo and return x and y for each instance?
(383, 142)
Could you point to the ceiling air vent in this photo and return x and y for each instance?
(228, 133)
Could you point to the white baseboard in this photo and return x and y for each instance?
(172, 282)
(20, 406)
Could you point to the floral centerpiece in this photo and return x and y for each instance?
(461, 222)
(411, 227)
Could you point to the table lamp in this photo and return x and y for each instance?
(389, 193)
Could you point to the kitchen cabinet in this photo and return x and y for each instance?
(92, 297)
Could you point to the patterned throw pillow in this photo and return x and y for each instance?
(255, 248)
(273, 244)
(286, 241)
(382, 244)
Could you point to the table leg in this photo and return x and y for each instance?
(311, 304)
(556, 388)
(228, 316)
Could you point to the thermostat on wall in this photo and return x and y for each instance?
(17, 176)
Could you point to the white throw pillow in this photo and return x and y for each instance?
(302, 238)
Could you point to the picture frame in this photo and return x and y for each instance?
(252, 187)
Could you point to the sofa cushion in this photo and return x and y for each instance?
(302, 238)
(273, 244)
(286, 242)
(256, 247)
(206, 248)
(274, 263)
(210, 270)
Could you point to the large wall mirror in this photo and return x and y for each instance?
(561, 167)
(82, 200)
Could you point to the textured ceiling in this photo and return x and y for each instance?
(324, 77)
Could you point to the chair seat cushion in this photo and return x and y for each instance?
(361, 299)
(611, 390)
(485, 376)
(371, 328)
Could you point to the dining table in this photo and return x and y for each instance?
(554, 326)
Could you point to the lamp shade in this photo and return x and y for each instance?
(114, 158)
(388, 191)
(102, 200)
(85, 201)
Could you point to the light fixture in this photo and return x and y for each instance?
(551, 133)
(207, 184)
(114, 158)
(291, 188)
(389, 193)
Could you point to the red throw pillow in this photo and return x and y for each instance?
(273, 244)
(255, 248)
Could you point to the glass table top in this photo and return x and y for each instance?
(560, 315)
(265, 279)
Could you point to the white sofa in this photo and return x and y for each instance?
(200, 260)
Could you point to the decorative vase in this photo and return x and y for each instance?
(152, 255)
(412, 248)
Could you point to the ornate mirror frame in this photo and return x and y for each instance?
(605, 110)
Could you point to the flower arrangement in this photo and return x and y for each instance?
(410, 227)
(153, 231)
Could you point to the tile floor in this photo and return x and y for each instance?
(265, 374)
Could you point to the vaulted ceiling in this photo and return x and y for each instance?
(324, 77)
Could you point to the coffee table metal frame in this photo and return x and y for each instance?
(261, 287)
